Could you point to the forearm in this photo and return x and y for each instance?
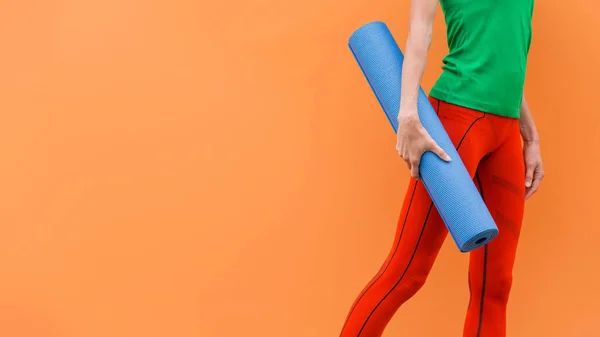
(422, 13)
(526, 123)
(415, 60)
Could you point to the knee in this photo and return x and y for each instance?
(416, 281)
(409, 281)
(498, 288)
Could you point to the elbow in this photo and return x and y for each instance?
(420, 34)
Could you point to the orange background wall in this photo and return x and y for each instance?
(221, 169)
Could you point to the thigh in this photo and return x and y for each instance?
(421, 231)
(501, 180)
(470, 131)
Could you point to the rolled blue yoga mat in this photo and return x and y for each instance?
(449, 184)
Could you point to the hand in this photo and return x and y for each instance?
(534, 171)
(413, 141)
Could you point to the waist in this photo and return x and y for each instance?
(487, 89)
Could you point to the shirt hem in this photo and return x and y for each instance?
(479, 106)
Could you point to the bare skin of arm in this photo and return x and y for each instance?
(412, 139)
(534, 170)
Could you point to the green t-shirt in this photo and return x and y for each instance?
(488, 43)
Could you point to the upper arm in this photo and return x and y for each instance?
(422, 13)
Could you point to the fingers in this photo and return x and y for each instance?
(413, 144)
(535, 184)
(439, 151)
(529, 175)
(531, 190)
(432, 146)
(414, 169)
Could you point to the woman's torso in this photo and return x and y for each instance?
(488, 43)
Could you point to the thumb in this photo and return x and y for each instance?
(435, 148)
(529, 176)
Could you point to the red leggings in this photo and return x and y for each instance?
(490, 147)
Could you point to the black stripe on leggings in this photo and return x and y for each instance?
(470, 126)
(469, 272)
(380, 273)
(404, 273)
(485, 255)
(385, 267)
(418, 241)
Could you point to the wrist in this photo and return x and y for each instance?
(531, 142)
(409, 116)
(408, 111)
(530, 139)
(530, 136)
(529, 133)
